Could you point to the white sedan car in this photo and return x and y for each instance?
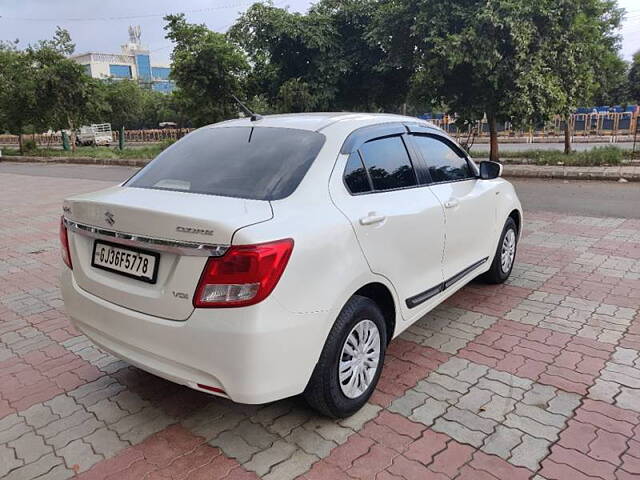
(258, 259)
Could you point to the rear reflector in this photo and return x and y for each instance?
(211, 389)
(64, 244)
(244, 275)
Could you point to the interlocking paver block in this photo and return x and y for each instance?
(38, 415)
(79, 456)
(530, 452)
(264, 461)
(29, 447)
(105, 442)
(356, 421)
(12, 427)
(406, 404)
(470, 420)
(235, 446)
(291, 468)
(329, 429)
(311, 442)
(434, 390)
(8, 460)
(36, 469)
(428, 411)
(504, 370)
(62, 405)
(255, 434)
(474, 399)
(460, 432)
(502, 441)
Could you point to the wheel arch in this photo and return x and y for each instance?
(517, 217)
(383, 297)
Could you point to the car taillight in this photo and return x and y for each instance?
(244, 275)
(64, 244)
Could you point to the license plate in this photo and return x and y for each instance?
(130, 262)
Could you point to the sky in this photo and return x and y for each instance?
(101, 25)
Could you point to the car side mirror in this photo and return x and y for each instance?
(489, 170)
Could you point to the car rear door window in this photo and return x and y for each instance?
(355, 176)
(260, 163)
(388, 163)
(444, 163)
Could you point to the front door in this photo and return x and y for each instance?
(469, 206)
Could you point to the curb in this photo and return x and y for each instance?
(609, 174)
(119, 162)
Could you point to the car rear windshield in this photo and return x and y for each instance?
(260, 163)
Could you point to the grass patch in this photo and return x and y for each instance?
(147, 151)
(585, 158)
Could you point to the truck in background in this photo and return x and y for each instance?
(96, 134)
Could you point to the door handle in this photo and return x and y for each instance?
(372, 219)
(452, 203)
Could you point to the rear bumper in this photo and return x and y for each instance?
(255, 354)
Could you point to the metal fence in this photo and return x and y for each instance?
(132, 136)
(597, 124)
(617, 126)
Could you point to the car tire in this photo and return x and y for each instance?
(325, 391)
(500, 271)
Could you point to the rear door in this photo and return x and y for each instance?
(469, 205)
(398, 223)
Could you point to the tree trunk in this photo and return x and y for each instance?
(20, 144)
(72, 137)
(567, 135)
(493, 138)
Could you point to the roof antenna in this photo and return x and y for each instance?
(253, 116)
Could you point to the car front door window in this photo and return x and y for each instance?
(444, 163)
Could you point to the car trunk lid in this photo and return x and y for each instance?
(183, 228)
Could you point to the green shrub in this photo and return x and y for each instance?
(588, 158)
(608, 155)
(29, 146)
(167, 143)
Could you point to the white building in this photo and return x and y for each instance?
(134, 62)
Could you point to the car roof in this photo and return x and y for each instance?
(317, 121)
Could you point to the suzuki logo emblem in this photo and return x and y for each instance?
(109, 218)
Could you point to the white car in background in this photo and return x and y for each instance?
(258, 259)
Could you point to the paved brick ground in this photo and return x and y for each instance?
(538, 378)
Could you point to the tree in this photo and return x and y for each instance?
(338, 56)
(41, 88)
(371, 53)
(18, 100)
(486, 57)
(612, 81)
(283, 46)
(60, 43)
(392, 29)
(634, 78)
(207, 68)
(124, 101)
(63, 90)
(585, 44)
(158, 107)
(294, 95)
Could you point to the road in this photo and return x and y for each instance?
(588, 198)
(519, 147)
